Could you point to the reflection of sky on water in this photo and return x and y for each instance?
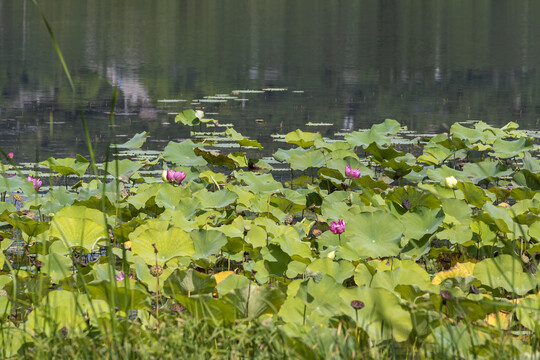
(426, 65)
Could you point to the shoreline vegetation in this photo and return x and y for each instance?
(365, 251)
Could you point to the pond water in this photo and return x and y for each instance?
(425, 63)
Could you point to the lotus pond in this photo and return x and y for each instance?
(377, 243)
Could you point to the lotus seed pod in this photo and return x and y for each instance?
(289, 219)
(156, 270)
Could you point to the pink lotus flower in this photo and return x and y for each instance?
(121, 276)
(337, 227)
(10, 155)
(351, 173)
(36, 181)
(173, 176)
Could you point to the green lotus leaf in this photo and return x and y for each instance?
(457, 234)
(382, 317)
(310, 159)
(239, 159)
(381, 154)
(404, 272)
(388, 126)
(217, 199)
(259, 184)
(122, 169)
(170, 243)
(132, 297)
(498, 216)
(289, 241)
(473, 194)
(57, 266)
(182, 154)
(188, 117)
(421, 221)
(282, 155)
(145, 276)
(241, 140)
(504, 271)
(372, 234)
(472, 135)
(188, 283)
(415, 197)
(456, 212)
(252, 301)
(487, 169)
(29, 226)
(367, 137)
(527, 179)
(301, 138)
(170, 196)
(208, 308)
(135, 142)
(215, 158)
(79, 227)
(527, 312)
(440, 174)
(67, 166)
(508, 149)
(339, 270)
(207, 243)
(257, 237)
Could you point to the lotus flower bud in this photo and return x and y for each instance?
(451, 182)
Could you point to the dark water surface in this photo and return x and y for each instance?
(425, 63)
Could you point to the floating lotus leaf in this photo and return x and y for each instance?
(188, 117)
(252, 301)
(57, 266)
(309, 159)
(421, 221)
(132, 297)
(135, 142)
(182, 153)
(241, 140)
(527, 179)
(122, 169)
(508, 149)
(302, 139)
(485, 170)
(239, 159)
(374, 234)
(170, 243)
(215, 158)
(339, 270)
(67, 166)
(217, 199)
(382, 317)
(207, 243)
(504, 271)
(189, 283)
(79, 227)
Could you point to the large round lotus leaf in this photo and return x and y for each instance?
(170, 243)
(504, 271)
(252, 301)
(58, 267)
(135, 142)
(473, 194)
(528, 313)
(207, 243)
(289, 241)
(241, 140)
(182, 154)
(339, 270)
(498, 216)
(208, 308)
(485, 170)
(79, 227)
(132, 297)
(215, 158)
(217, 199)
(301, 138)
(67, 166)
(405, 272)
(382, 317)
(527, 179)
(456, 211)
(122, 169)
(508, 149)
(188, 117)
(170, 196)
(373, 234)
(29, 226)
(320, 294)
(310, 159)
(421, 221)
(188, 283)
(334, 206)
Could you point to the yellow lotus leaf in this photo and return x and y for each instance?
(220, 276)
(500, 320)
(461, 269)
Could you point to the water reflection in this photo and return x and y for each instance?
(424, 63)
